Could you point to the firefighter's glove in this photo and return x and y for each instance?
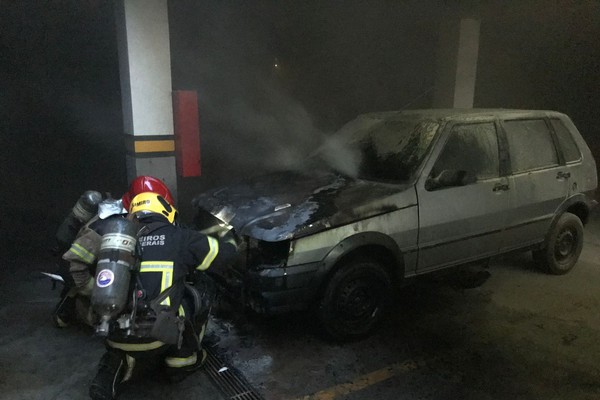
(232, 238)
(86, 290)
(216, 230)
(222, 230)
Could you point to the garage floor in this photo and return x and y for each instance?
(521, 335)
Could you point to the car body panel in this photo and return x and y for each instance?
(537, 196)
(461, 224)
(583, 172)
(401, 225)
(288, 204)
(534, 198)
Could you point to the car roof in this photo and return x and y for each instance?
(456, 113)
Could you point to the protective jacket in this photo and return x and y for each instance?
(169, 254)
(169, 258)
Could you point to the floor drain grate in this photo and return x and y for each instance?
(230, 381)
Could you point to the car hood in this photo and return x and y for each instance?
(285, 205)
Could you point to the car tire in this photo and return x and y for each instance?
(563, 246)
(355, 300)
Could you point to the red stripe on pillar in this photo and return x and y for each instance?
(187, 132)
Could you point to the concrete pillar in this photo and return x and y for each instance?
(145, 69)
(457, 64)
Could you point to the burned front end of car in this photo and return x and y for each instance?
(271, 285)
(263, 280)
(260, 278)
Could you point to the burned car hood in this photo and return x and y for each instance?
(287, 204)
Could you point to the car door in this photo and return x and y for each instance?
(539, 182)
(462, 220)
(570, 154)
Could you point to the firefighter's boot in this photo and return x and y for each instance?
(106, 383)
(64, 313)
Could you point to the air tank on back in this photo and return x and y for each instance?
(116, 260)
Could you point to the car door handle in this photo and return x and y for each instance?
(500, 186)
(563, 175)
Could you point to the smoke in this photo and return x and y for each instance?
(254, 87)
(333, 63)
(258, 129)
(339, 156)
(276, 131)
(250, 121)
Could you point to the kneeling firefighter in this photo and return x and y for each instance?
(157, 307)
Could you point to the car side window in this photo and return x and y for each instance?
(470, 154)
(531, 145)
(566, 141)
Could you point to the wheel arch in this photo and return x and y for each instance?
(577, 205)
(552, 257)
(375, 245)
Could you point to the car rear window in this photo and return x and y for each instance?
(566, 141)
(531, 145)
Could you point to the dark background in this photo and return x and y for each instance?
(60, 110)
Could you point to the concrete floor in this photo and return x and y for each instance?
(521, 335)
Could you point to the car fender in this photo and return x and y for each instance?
(362, 240)
(578, 200)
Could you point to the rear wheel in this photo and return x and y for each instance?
(563, 246)
(355, 300)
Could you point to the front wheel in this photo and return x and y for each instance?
(563, 246)
(355, 300)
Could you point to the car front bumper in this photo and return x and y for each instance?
(273, 290)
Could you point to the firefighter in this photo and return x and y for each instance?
(172, 292)
(81, 260)
(78, 240)
(84, 209)
(82, 212)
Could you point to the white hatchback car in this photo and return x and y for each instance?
(396, 195)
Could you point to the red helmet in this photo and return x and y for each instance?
(143, 184)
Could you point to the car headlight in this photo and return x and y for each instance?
(263, 254)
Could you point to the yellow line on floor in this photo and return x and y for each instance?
(365, 381)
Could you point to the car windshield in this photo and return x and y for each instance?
(385, 150)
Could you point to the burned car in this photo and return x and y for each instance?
(396, 195)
